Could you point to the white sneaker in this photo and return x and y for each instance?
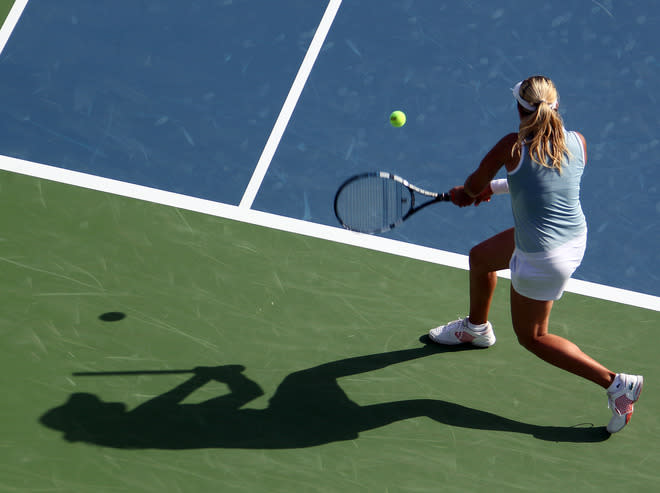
(458, 332)
(621, 396)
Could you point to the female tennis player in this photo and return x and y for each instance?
(544, 164)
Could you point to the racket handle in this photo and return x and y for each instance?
(444, 197)
(128, 373)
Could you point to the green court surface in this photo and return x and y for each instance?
(5, 7)
(337, 393)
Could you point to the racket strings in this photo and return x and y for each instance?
(373, 204)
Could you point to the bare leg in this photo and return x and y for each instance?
(486, 259)
(530, 322)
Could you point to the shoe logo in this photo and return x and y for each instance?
(464, 336)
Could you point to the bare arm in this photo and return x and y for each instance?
(584, 145)
(500, 155)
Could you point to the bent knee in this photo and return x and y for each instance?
(490, 256)
(531, 341)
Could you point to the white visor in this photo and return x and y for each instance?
(525, 104)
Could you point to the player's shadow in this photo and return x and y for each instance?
(309, 408)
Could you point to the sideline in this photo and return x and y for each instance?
(11, 21)
(298, 226)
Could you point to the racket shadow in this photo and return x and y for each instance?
(308, 409)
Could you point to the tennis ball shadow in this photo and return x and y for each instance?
(112, 316)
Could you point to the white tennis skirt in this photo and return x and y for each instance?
(543, 275)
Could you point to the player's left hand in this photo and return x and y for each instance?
(484, 196)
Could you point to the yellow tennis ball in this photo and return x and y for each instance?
(398, 118)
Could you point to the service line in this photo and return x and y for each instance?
(289, 105)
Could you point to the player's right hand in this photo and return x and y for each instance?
(459, 197)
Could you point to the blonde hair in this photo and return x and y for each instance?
(541, 129)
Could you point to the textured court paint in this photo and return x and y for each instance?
(160, 101)
(202, 290)
(297, 226)
(62, 264)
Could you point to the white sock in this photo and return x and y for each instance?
(478, 327)
(616, 384)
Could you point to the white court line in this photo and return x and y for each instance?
(289, 105)
(297, 226)
(11, 21)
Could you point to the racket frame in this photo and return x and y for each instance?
(435, 197)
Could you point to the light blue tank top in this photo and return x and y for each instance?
(546, 204)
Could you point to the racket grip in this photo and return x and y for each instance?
(444, 197)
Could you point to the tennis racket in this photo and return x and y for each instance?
(379, 201)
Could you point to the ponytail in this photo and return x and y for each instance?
(541, 126)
